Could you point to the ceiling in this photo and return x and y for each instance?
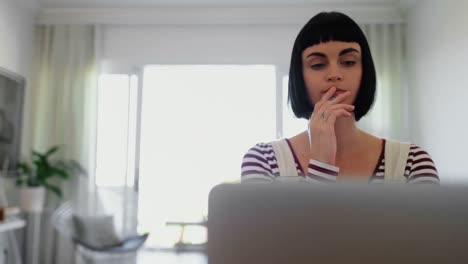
(162, 12)
(213, 3)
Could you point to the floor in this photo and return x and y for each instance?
(146, 256)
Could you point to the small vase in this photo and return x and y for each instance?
(31, 199)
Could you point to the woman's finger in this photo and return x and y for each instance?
(340, 98)
(347, 107)
(323, 104)
(325, 108)
(329, 94)
(335, 114)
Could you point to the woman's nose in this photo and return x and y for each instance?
(334, 74)
(334, 78)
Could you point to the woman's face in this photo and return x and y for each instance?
(329, 64)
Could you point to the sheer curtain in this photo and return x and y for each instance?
(63, 112)
(387, 118)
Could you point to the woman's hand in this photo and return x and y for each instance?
(321, 129)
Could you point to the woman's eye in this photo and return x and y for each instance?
(349, 63)
(317, 66)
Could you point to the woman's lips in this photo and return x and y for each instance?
(337, 92)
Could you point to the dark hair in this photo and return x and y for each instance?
(324, 27)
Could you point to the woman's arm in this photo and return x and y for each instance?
(321, 172)
(420, 167)
(259, 164)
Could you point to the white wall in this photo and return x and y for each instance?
(16, 37)
(202, 44)
(17, 21)
(437, 44)
(206, 35)
(16, 41)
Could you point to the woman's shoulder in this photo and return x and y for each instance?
(259, 160)
(419, 157)
(417, 150)
(420, 167)
(414, 149)
(262, 150)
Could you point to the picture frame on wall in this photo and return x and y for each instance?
(12, 88)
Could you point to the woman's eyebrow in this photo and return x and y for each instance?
(343, 52)
(319, 54)
(348, 50)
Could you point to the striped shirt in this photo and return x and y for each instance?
(259, 163)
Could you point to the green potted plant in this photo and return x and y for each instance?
(35, 176)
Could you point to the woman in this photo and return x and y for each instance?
(332, 83)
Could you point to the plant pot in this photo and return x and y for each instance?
(31, 199)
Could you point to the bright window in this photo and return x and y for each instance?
(113, 128)
(197, 122)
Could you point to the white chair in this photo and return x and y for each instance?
(122, 252)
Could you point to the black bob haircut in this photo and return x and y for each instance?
(325, 27)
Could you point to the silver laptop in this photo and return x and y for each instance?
(339, 223)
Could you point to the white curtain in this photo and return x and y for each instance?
(63, 112)
(387, 118)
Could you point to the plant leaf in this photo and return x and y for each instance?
(53, 189)
(41, 169)
(37, 155)
(51, 151)
(24, 167)
(59, 172)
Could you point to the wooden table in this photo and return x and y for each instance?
(180, 245)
